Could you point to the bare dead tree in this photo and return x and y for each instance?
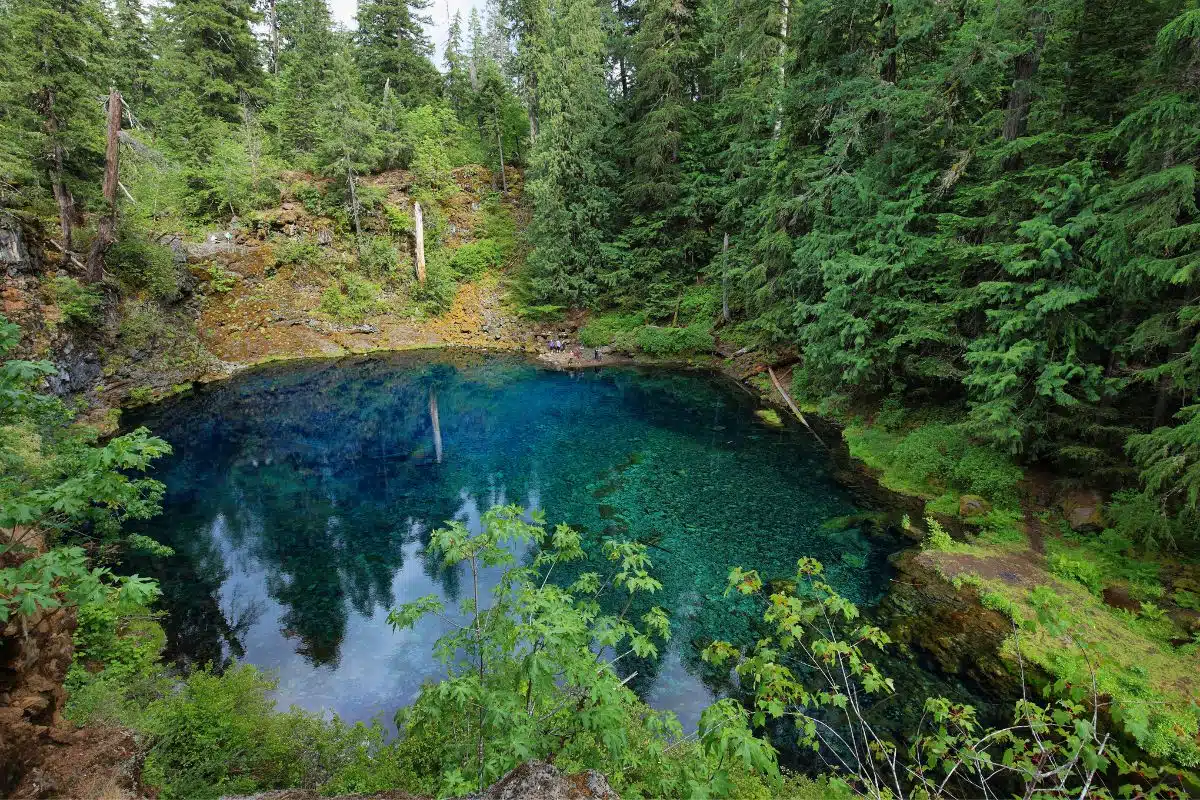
(106, 233)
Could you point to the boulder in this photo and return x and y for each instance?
(14, 255)
(972, 505)
(537, 780)
(1084, 510)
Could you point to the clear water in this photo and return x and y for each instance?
(300, 498)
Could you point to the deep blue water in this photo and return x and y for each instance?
(300, 498)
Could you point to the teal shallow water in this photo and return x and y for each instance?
(300, 498)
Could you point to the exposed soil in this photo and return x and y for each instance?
(93, 762)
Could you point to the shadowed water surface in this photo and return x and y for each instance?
(301, 496)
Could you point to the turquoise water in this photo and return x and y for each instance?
(301, 496)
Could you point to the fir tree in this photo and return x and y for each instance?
(305, 64)
(54, 125)
(213, 56)
(571, 168)
(132, 58)
(459, 67)
(393, 50)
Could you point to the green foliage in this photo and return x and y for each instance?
(220, 735)
(658, 341)
(378, 257)
(221, 280)
(817, 665)
(399, 221)
(301, 252)
(524, 679)
(1138, 517)
(352, 298)
(1081, 570)
(144, 264)
(471, 260)
(438, 291)
(79, 304)
(603, 330)
(938, 537)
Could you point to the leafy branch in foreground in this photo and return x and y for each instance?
(533, 674)
(814, 669)
(57, 482)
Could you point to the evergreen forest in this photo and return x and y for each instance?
(966, 231)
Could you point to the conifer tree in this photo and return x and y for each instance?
(661, 125)
(571, 169)
(459, 67)
(348, 136)
(213, 55)
(393, 50)
(132, 59)
(53, 51)
(307, 48)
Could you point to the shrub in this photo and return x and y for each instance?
(351, 299)
(941, 455)
(984, 471)
(141, 264)
(399, 221)
(700, 303)
(141, 324)
(221, 280)
(377, 257)
(659, 341)
(298, 252)
(1138, 517)
(602, 330)
(439, 288)
(938, 537)
(79, 304)
(220, 735)
(1077, 569)
(472, 260)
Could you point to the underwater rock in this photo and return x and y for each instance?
(1084, 510)
(770, 417)
(924, 611)
(781, 586)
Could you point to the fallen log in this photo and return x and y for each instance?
(787, 399)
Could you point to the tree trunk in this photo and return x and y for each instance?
(437, 426)
(533, 119)
(354, 203)
(273, 21)
(725, 278)
(419, 235)
(58, 181)
(500, 145)
(106, 232)
(783, 35)
(1016, 117)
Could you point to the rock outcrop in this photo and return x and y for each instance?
(925, 612)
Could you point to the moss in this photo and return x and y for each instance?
(1150, 682)
(770, 417)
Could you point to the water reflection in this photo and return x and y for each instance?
(301, 497)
